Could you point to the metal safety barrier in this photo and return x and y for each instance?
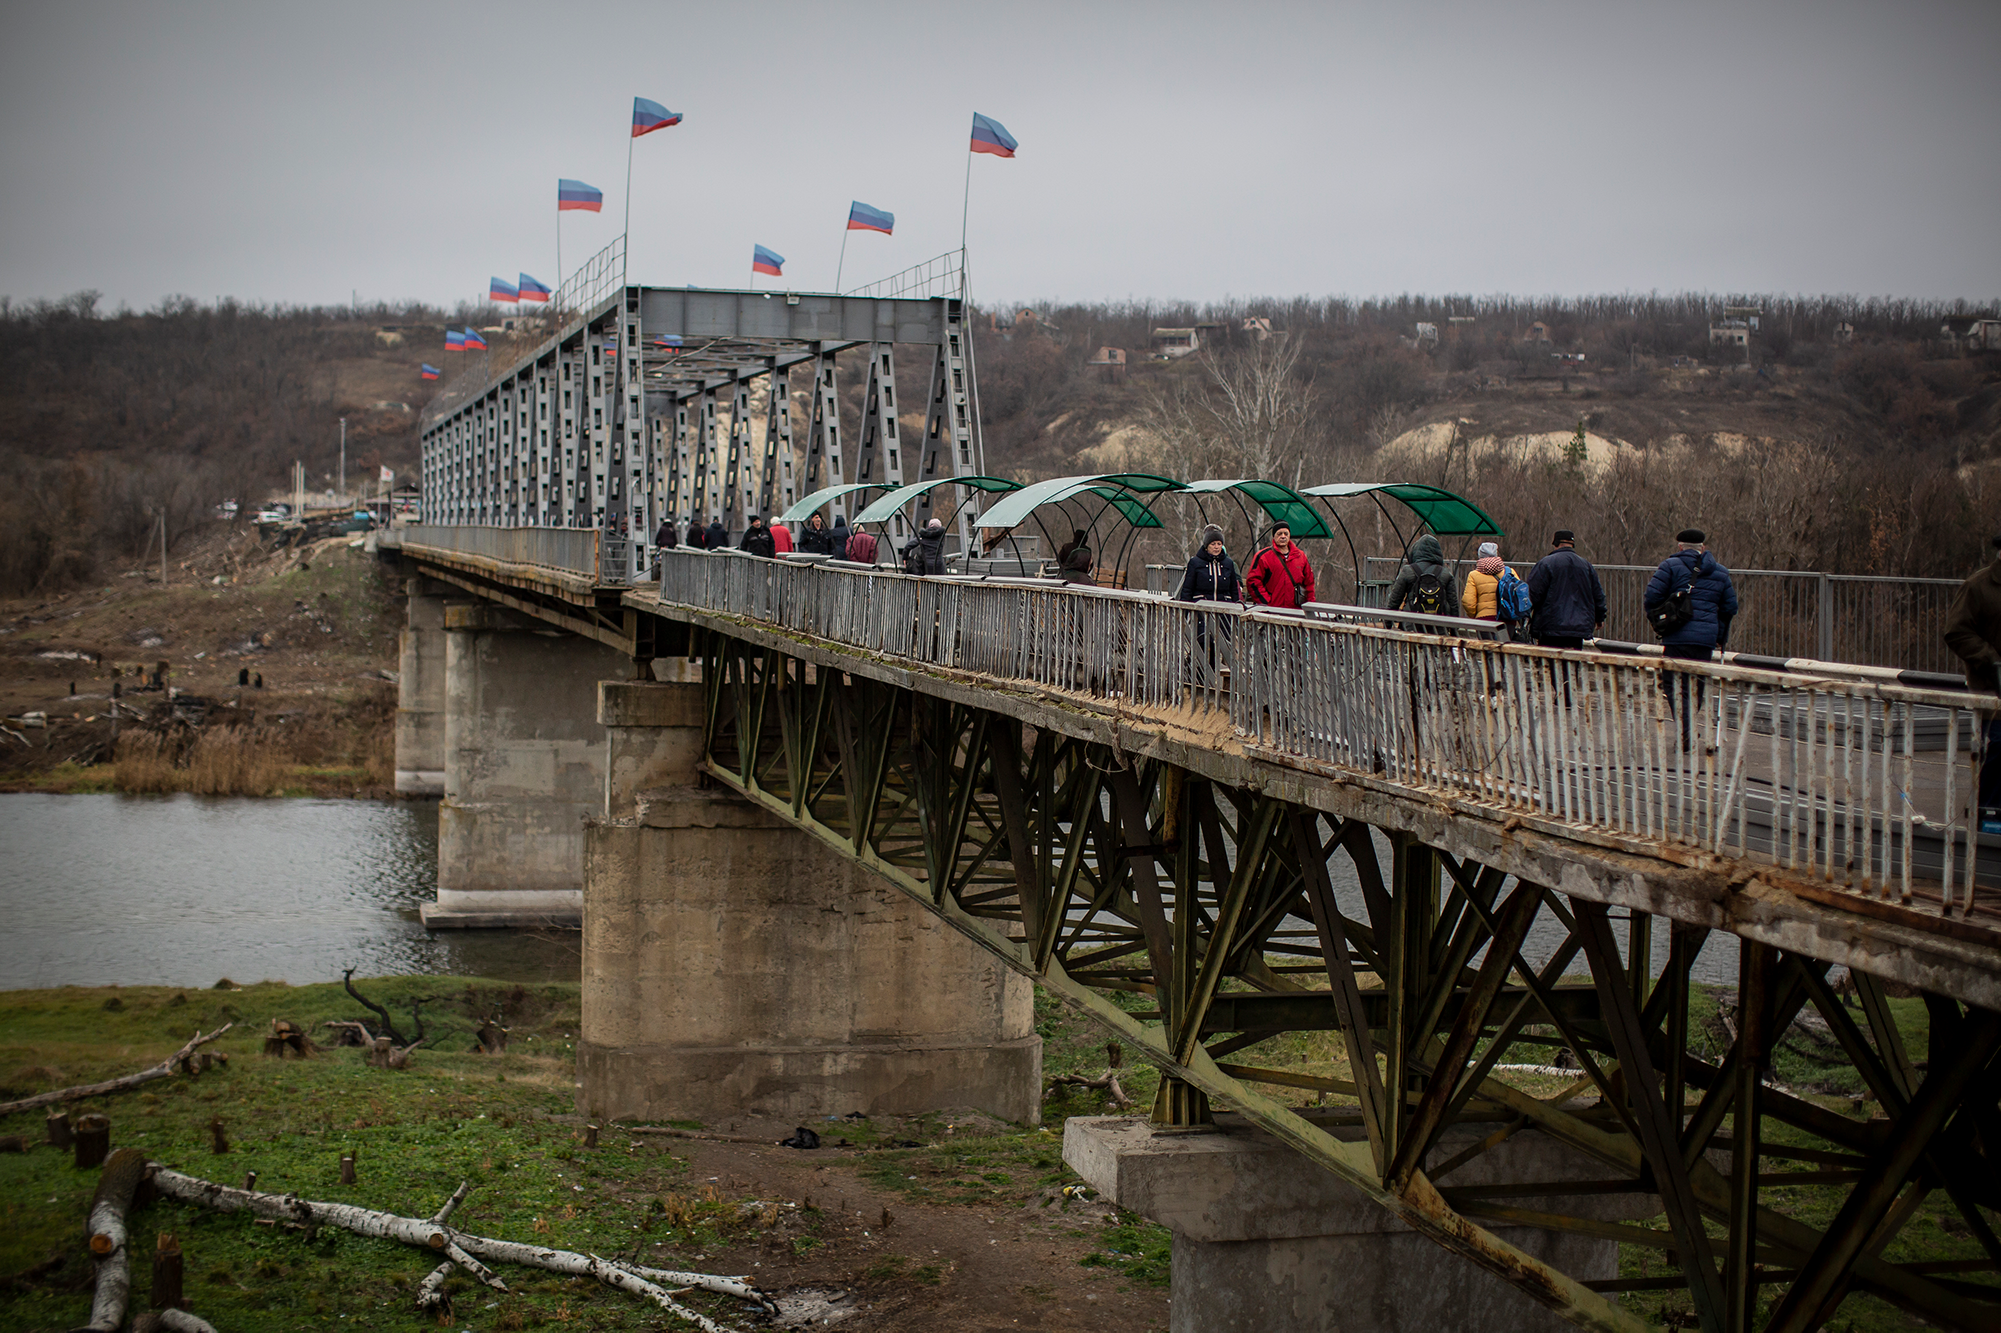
(1863, 785)
(579, 551)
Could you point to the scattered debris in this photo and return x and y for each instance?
(802, 1137)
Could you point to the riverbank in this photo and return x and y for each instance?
(951, 1220)
(276, 675)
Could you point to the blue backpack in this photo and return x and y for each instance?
(1513, 598)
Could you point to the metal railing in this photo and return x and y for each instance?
(1861, 785)
(942, 276)
(1865, 619)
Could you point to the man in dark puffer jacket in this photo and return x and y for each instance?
(1713, 601)
(1568, 598)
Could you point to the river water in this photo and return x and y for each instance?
(185, 890)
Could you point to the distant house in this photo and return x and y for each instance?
(1169, 344)
(1110, 362)
(1844, 332)
(1538, 333)
(1258, 326)
(1427, 333)
(1730, 333)
(389, 337)
(1972, 333)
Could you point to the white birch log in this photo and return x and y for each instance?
(431, 1297)
(165, 1069)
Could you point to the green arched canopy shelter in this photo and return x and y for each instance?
(1445, 513)
(883, 507)
(825, 495)
(1281, 503)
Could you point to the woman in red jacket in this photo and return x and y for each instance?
(1280, 574)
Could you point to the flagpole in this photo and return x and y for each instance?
(625, 259)
(965, 204)
(844, 260)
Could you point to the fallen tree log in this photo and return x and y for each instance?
(171, 1321)
(108, 1207)
(467, 1251)
(165, 1069)
(1109, 1085)
(431, 1295)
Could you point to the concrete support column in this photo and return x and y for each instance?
(524, 768)
(420, 692)
(734, 963)
(1263, 1239)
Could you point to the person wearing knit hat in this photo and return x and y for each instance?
(1480, 599)
(1690, 602)
(1211, 576)
(1973, 632)
(1569, 598)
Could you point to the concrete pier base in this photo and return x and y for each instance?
(1263, 1240)
(734, 963)
(524, 768)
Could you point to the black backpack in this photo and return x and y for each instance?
(1674, 610)
(1427, 595)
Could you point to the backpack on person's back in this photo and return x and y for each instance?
(1427, 595)
(1512, 599)
(861, 547)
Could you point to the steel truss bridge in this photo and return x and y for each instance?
(1152, 809)
(617, 420)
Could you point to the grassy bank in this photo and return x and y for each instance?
(506, 1123)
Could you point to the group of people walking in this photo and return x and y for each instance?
(1690, 600)
(839, 542)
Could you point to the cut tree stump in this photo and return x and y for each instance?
(218, 1138)
(59, 1134)
(288, 1037)
(167, 1273)
(347, 1168)
(92, 1141)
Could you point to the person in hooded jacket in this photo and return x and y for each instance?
(757, 539)
(926, 552)
(1063, 551)
(696, 537)
(816, 540)
(1077, 562)
(838, 538)
(1712, 603)
(1423, 563)
(1280, 574)
(665, 538)
(717, 537)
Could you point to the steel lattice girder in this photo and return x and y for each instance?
(1093, 873)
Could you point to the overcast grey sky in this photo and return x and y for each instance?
(295, 153)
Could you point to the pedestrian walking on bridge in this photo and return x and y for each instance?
(757, 539)
(1973, 632)
(1569, 598)
(1280, 574)
(1690, 601)
(717, 537)
(1424, 585)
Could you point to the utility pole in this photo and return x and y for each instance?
(343, 460)
(163, 546)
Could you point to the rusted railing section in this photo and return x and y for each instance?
(1863, 785)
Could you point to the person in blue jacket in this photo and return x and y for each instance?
(1712, 603)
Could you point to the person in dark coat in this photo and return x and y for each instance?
(1410, 590)
(717, 537)
(1063, 552)
(1973, 632)
(696, 537)
(1568, 597)
(837, 538)
(757, 540)
(665, 538)
(1211, 575)
(926, 552)
(815, 539)
(1713, 601)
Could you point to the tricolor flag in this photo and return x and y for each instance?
(454, 341)
(428, 371)
(532, 290)
(575, 194)
(763, 260)
(474, 340)
(990, 136)
(500, 289)
(668, 340)
(650, 116)
(863, 218)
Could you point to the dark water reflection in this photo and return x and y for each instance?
(183, 890)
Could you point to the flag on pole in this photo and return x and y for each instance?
(532, 290)
(990, 136)
(863, 218)
(650, 116)
(764, 260)
(454, 341)
(577, 195)
(474, 340)
(388, 475)
(500, 289)
(429, 371)
(670, 341)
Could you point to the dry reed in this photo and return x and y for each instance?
(226, 761)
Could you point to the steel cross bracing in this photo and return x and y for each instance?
(613, 422)
(1197, 920)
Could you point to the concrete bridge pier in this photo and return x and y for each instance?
(524, 767)
(735, 963)
(1263, 1240)
(420, 690)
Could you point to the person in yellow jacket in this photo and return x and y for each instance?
(1480, 599)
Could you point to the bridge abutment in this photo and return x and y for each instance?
(1264, 1241)
(524, 767)
(734, 963)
